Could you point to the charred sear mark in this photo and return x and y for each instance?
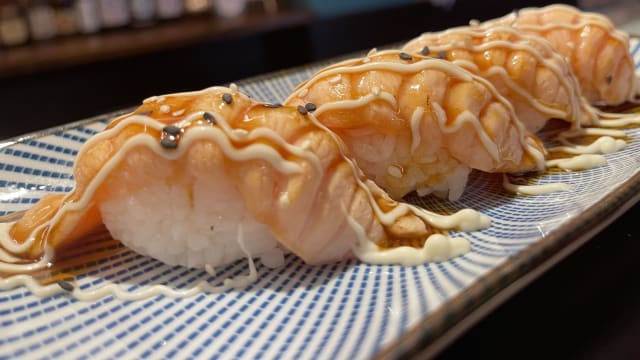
(425, 51)
(302, 110)
(227, 98)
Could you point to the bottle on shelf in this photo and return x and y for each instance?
(114, 13)
(42, 23)
(87, 16)
(169, 9)
(197, 6)
(65, 19)
(229, 8)
(13, 25)
(142, 12)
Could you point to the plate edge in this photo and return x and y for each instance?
(437, 330)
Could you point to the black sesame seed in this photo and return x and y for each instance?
(310, 107)
(227, 98)
(169, 143)
(442, 55)
(276, 105)
(146, 112)
(302, 110)
(65, 285)
(210, 118)
(425, 51)
(171, 130)
(405, 56)
(609, 79)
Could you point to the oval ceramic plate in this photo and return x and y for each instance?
(346, 310)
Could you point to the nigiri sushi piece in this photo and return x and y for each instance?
(598, 52)
(418, 123)
(206, 178)
(524, 68)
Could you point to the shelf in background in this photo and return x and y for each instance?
(121, 43)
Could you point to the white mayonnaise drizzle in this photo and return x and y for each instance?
(222, 135)
(123, 294)
(222, 139)
(438, 250)
(473, 219)
(585, 19)
(580, 162)
(591, 132)
(466, 117)
(10, 263)
(357, 66)
(336, 79)
(463, 220)
(253, 151)
(356, 103)
(437, 247)
(6, 257)
(602, 145)
(30, 283)
(606, 119)
(533, 189)
(519, 41)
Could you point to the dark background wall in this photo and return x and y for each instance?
(47, 98)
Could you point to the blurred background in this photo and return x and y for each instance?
(65, 60)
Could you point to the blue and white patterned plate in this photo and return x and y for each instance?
(347, 310)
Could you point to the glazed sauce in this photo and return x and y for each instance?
(240, 137)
